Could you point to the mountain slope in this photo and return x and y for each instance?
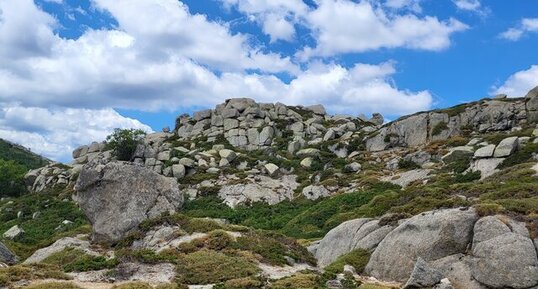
(21, 155)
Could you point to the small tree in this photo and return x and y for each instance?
(124, 142)
(11, 179)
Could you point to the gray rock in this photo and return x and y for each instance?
(315, 192)
(118, 196)
(80, 151)
(227, 154)
(334, 284)
(419, 158)
(6, 256)
(266, 136)
(271, 168)
(317, 109)
(432, 235)
(458, 271)
(405, 178)
(14, 233)
(94, 147)
(308, 152)
(240, 103)
(187, 162)
(178, 171)
(484, 152)
(353, 167)
(423, 276)
(348, 236)
(377, 119)
(506, 147)
(203, 114)
(486, 167)
(230, 124)
(229, 113)
(297, 127)
(329, 135)
(58, 246)
(503, 258)
(307, 162)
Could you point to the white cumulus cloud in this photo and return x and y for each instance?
(527, 25)
(342, 26)
(58, 93)
(518, 84)
(55, 133)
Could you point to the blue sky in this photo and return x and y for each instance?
(71, 71)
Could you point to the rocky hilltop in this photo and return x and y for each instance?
(292, 197)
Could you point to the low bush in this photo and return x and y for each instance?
(123, 142)
(53, 285)
(209, 267)
(356, 258)
(299, 281)
(133, 285)
(17, 273)
(74, 260)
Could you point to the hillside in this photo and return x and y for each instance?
(256, 195)
(21, 155)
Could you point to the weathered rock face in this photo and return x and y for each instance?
(259, 189)
(504, 254)
(431, 236)
(59, 246)
(118, 196)
(348, 236)
(482, 116)
(6, 256)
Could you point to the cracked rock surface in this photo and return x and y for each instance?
(118, 196)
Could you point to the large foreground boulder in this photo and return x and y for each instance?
(504, 255)
(430, 236)
(118, 196)
(355, 234)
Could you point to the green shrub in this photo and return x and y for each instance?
(47, 227)
(299, 281)
(241, 283)
(74, 260)
(407, 164)
(439, 128)
(218, 240)
(488, 209)
(209, 267)
(17, 273)
(357, 258)
(273, 247)
(11, 179)
(523, 155)
(468, 177)
(133, 285)
(124, 142)
(21, 156)
(53, 285)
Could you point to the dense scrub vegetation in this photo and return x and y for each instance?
(123, 142)
(21, 156)
(41, 216)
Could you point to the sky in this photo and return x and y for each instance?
(72, 71)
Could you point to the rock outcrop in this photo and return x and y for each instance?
(116, 197)
(454, 245)
(430, 236)
(482, 116)
(6, 256)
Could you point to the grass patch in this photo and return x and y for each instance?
(439, 128)
(54, 285)
(356, 258)
(133, 285)
(47, 227)
(17, 273)
(299, 281)
(209, 267)
(74, 260)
